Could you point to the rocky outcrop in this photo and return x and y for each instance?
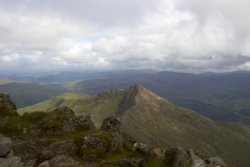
(5, 145)
(110, 93)
(93, 148)
(59, 161)
(62, 121)
(62, 161)
(144, 149)
(111, 125)
(44, 149)
(7, 159)
(11, 162)
(136, 162)
(7, 106)
(178, 157)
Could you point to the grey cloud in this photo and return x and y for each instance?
(102, 13)
(111, 34)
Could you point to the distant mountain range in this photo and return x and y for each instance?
(153, 120)
(219, 96)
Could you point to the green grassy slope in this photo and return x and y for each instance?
(160, 123)
(156, 121)
(97, 107)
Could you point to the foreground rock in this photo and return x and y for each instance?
(5, 145)
(6, 157)
(178, 157)
(136, 162)
(11, 162)
(112, 125)
(63, 121)
(144, 149)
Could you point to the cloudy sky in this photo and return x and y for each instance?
(182, 35)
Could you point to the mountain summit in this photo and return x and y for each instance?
(139, 95)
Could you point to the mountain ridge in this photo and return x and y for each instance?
(157, 122)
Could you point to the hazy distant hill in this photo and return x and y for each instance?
(26, 94)
(219, 96)
(4, 81)
(158, 122)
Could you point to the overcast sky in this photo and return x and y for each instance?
(182, 35)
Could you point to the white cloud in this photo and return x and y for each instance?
(163, 34)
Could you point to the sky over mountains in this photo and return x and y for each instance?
(133, 34)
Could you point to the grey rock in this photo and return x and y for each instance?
(215, 162)
(63, 121)
(65, 147)
(62, 161)
(124, 163)
(31, 163)
(112, 125)
(44, 164)
(5, 145)
(11, 162)
(31, 149)
(178, 157)
(110, 93)
(144, 149)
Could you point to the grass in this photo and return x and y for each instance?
(98, 109)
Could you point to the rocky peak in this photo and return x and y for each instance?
(110, 93)
(137, 94)
(6, 104)
(65, 110)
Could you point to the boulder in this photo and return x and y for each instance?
(32, 149)
(11, 162)
(44, 164)
(65, 147)
(111, 125)
(93, 148)
(144, 149)
(134, 162)
(31, 163)
(215, 162)
(62, 161)
(5, 145)
(62, 121)
(178, 157)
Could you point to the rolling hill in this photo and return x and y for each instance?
(4, 81)
(155, 121)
